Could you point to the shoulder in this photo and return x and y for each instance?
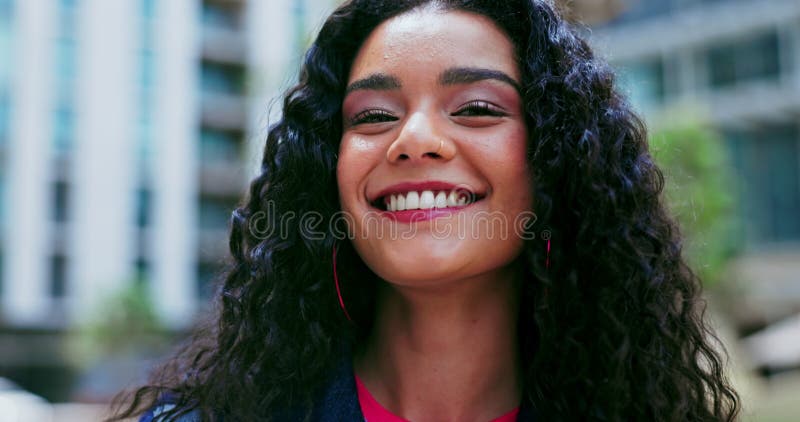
(335, 401)
(153, 414)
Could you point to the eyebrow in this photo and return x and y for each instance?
(454, 76)
(467, 75)
(374, 82)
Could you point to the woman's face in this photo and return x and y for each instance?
(432, 169)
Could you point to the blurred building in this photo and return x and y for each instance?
(128, 132)
(739, 61)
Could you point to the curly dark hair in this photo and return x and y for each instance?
(613, 330)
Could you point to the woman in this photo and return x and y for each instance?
(478, 235)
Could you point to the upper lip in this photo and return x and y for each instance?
(433, 185)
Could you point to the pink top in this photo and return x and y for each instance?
(374, 412)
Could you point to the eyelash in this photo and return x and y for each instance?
(471, 109)
(372, 116)
(479, 108)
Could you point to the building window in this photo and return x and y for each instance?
(221, 15)
(218, 78)
(148, 9)
(4, 120)
(142, 270)
(67, 23)
(3, 209)
(64, 131)
(214, 213)
(219, 146)
(5, 55)
(144, 144)
(68, 4)
(65, 76)
(60, 207)
(740, 61)
(207, 276)
(147, 69)
(2, 271)
(641, 10)
(767, 161)
(643, 80)
(301, 36)
(6, 9)
(143, 207)
(58, 276)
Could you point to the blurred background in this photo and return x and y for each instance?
(129, 129)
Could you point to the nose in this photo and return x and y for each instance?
(420, 139)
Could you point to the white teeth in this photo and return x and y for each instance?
(452, 199)
(412, 200)
(426, 200)
(441, 200)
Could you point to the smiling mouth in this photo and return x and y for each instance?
(426, 199)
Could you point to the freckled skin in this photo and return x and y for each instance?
(486, 154)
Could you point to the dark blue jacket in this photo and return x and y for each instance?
(338, 402)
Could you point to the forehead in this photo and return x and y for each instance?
(432, 40)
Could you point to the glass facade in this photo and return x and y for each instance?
(65, 76)
(767, 160)
(643, 81)
(147, 85)
(221, 78)
(148, 9)
(207, 275)
(766, 156)
(6, 14)
(144, 198)
(214, 213)
(58, 276)
(5, 47)
(5, 120)
(64, 130)
(144, 144)
(221, 15)
(744, 60)
(219, 146)
(60, 203)
(222, 83)
(6, 20)
(646, 9)
(66, 66)
(3, 209)
(2, 270)
(142, 270)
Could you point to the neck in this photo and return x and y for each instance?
(445, 353)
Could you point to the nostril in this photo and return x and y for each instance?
(432, 155)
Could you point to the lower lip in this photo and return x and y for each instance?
(415, 216)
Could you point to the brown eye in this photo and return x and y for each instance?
(372, 116)
(479, 108)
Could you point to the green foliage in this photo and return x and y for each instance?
(699, 191)
(125, 324)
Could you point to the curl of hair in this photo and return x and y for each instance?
(613, 330)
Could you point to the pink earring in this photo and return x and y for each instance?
(547, 259)
(336, 282)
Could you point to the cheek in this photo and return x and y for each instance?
(357, 157)
(503, 158)
(513, 176)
